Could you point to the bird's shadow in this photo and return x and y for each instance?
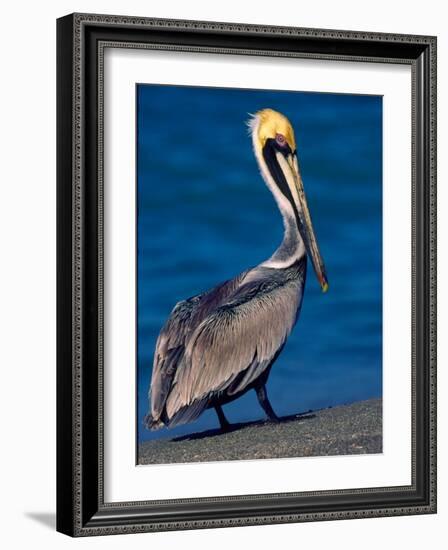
(240, 425)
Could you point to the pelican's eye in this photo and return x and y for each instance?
(280, 139)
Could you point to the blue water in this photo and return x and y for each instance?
(205, 215)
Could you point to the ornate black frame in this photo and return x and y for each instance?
(81, 39)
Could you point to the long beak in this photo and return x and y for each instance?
(290, 168)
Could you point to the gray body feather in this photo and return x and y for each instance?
(219, 344)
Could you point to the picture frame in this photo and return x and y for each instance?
(81, 506)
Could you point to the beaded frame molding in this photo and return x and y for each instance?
(81, 40)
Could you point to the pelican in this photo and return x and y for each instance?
(218, 345)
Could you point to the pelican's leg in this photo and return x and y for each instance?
(225, 424)
(264, 402)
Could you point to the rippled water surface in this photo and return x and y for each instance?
(205, 215)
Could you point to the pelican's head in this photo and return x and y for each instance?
(275, 148)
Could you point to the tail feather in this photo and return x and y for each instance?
(184, 415)
(151, 423)
(188, 413)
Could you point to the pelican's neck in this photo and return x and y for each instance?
(291, 248)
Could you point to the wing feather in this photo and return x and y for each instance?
(241, 335)
(169, 350)
(174, 336)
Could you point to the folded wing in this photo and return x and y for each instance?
(231, 347)
(173, 339)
